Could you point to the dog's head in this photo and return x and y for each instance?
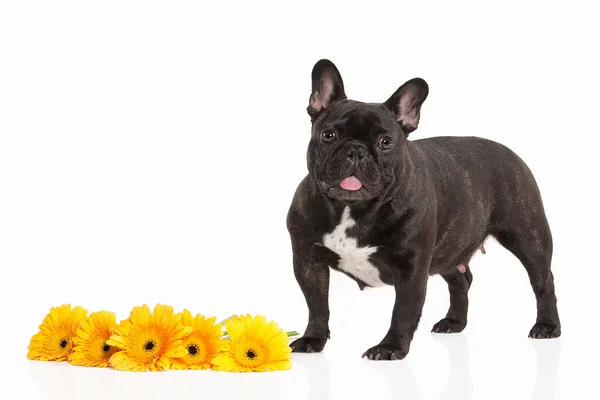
(356, 149)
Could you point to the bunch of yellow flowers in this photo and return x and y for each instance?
(160, 340)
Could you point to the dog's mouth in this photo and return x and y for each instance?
(349, 190)
(351, 183)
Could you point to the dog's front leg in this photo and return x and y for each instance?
(411, 286)
(312, 275)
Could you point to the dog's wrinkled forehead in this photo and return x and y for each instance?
(361, 121)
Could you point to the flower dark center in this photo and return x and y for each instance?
(63, 343)
(105, 348)
(251, 354)
(149, 345)
(192, 349)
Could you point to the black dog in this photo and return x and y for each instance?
(386, 210)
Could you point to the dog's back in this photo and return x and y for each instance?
(482, 188)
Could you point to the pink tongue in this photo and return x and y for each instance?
(351, 183)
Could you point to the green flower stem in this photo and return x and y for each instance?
(290, 333)
(231, 316)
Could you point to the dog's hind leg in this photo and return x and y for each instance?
(532, 245)
(459, 282)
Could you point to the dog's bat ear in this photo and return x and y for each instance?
(406, 103)
(327, 87)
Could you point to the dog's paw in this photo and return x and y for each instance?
(385, 352)
(308, 344)
(542, 330)
(448, 326)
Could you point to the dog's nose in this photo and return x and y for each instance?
(356, 151)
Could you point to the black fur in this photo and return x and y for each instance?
(428, 205)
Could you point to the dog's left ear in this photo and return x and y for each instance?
(406, 103)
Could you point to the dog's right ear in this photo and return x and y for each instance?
(327, 87)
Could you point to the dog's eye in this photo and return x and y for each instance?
(328, 136)
(385, 142)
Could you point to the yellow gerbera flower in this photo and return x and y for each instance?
(254, 345)
(148, 341)
(54, 341)
(202, 345)
(91, 349)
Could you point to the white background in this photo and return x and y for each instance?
(149, 152)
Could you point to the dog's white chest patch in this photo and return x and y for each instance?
(353, 259)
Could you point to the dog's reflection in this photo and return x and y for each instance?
(318, 370)
(548, 355)
(402, 382)
(404, 385)
(460, 384)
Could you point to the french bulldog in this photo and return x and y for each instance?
(386, 210)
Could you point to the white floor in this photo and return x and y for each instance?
(440, 367)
